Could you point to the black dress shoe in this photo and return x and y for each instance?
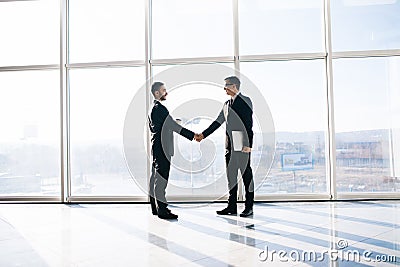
(167, 215)
(227, 211)
(154, 211)
(246, 212)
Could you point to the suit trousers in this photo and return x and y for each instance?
(159, 180)
(235, 161)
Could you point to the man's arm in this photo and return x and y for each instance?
(214, 125)
(174, 126)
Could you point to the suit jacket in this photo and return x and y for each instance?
(238, 117)
(162, 126)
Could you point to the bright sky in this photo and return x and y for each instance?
(366, 90)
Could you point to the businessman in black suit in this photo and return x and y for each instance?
(162, 126)
(238, 115)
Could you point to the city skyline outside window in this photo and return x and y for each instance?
(98, 166)
(365, 99)
(295, 93)
(30, 135)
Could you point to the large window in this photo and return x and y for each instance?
(30, 133)
(295, 93)
(99, 102)
(74, 95)
(367, 130)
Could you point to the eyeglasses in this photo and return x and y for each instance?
(228, 84)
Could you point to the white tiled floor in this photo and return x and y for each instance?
(128, 235)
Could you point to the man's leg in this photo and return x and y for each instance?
(247, 176)
(231, 173)
(151, 190)
(161, 182)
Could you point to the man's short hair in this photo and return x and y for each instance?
(234, 80)
(156, 87)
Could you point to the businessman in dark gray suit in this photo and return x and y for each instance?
(238, 115)
(162, 126)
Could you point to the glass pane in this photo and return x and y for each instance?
(103, 30)
(296, 94)
(365, 24)
(30, 134)
(367, 109)
(276, 26)
(197, 169)
(29, 32)
(185, 29)
(99, 103)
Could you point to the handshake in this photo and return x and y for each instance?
(198, 137)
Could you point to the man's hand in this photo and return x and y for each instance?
(198, 137)
(246, 149)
